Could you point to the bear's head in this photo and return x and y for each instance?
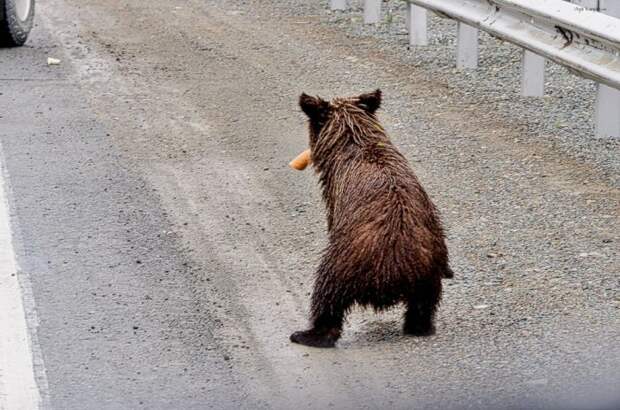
(321, 114)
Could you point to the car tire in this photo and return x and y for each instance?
(16, 17)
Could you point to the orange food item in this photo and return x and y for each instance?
(301, 161)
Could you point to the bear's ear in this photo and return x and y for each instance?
(370, 102)
(315, 108)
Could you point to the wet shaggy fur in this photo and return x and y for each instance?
(386, 243)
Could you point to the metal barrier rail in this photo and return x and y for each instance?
(585, 41)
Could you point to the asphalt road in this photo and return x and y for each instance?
(166, 251)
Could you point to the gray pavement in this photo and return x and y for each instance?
(121, 320)
(168, 251)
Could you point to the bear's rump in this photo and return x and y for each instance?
(379, 279)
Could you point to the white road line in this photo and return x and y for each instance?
(18, 387)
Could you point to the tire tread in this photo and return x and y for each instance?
(13, 32)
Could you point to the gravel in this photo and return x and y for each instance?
(562, 120)
(539, 193)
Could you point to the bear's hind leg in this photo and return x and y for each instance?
(329, 306)
(326, 326)
(421, 307)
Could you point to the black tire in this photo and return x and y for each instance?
(16, 17)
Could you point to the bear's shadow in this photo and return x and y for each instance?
(372, 332)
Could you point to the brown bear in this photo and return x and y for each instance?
(386, 242)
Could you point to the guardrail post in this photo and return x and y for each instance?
(607, 112)
(372, 11)
(610, 7)
(532, 74)
(588, 4)
(467, 48)
(416, 24)
(338, 4)
(607, 98)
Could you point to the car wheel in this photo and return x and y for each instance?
(16, 18)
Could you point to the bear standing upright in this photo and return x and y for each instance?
(386, 242)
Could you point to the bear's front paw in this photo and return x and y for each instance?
(314, 339)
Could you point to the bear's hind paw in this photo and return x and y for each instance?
(314, 339)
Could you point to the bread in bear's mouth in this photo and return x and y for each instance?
(301, 161)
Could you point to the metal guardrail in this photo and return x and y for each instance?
(585, 41)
